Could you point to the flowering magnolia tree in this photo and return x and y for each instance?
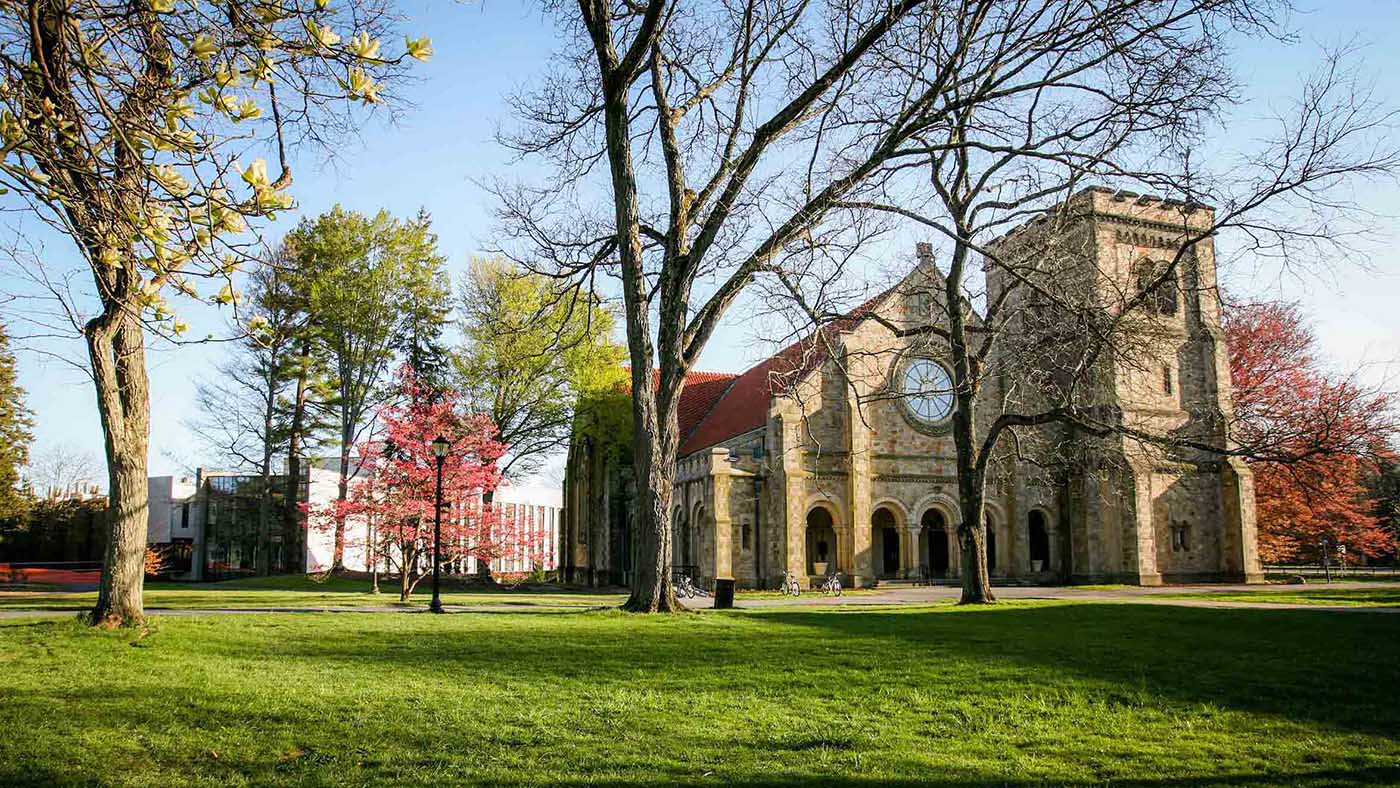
(141, 130)
(395, 493)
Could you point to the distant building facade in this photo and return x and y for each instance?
(836, 458)
(211, 526)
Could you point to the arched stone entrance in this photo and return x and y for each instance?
(683, 555)
(884, 535)
(991, 545)
(1038, 540)
(821, 542)
(934, 547)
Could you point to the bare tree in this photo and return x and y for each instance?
(60, 468)
(1072, 94)
(728, 130)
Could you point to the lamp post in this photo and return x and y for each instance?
(439, 447)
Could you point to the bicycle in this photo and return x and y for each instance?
(832, 585)
(686, 588)
(790, 585)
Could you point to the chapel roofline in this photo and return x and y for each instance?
(1084, 205)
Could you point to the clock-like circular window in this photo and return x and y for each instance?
(927, 389)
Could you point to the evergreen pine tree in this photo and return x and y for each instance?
(16, 423)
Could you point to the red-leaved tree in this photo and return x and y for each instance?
(394, 492)
(1312, 437)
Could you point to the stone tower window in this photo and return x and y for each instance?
(1162, 296)
(1167, 387)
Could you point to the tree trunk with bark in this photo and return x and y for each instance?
(653, 406)
(116, 348)
(654, 468)
(342, 490)
(291, 514)
(265, 479)
(971, 456)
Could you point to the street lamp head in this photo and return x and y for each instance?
(440, 447)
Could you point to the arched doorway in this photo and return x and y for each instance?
(684, 552)
(884, 532)
(991, 545)
(695, 535)
(934, 534)
(821, 542)
(1039, 539)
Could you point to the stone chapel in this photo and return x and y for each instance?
(837, 458)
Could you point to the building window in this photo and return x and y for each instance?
(1181, 538)
(185, 515)
(1161, 296)
(1167, 387)
(748, 536)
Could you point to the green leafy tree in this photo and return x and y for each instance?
(532, 351)
(369, 284)
(123, 123)
(16, 425)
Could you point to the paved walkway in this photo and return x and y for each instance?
(1162, 595)
(891, 596)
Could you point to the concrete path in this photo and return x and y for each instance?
(1163, 595)
(891, 596)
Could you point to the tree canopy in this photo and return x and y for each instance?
(532, 351)
(1314, 437)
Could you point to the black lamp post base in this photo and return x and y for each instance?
(436, 606)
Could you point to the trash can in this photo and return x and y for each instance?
(724, 593)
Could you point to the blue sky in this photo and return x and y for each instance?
(484, 51)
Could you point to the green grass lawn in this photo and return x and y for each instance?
(288, 591)
(1305, 595)
(1076, 693)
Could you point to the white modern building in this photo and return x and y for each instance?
(213, 526)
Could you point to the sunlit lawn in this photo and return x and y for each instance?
(295, 591)
(1077, 693)
(1304, 595)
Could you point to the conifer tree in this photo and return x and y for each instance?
(16, 423)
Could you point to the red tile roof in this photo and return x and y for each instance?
(742, 405)
(701, 391)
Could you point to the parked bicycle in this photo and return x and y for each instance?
(686, 588)
(832, 585)
(790, 585)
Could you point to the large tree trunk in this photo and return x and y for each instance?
(972, 537)
(655, 438)
(291, 514)
(347, 434)
(265, 479)
(116, 348)
(654, 448)
(971, 462)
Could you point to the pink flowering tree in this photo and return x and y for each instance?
(394, 493)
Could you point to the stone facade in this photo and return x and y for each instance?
(813, 461)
